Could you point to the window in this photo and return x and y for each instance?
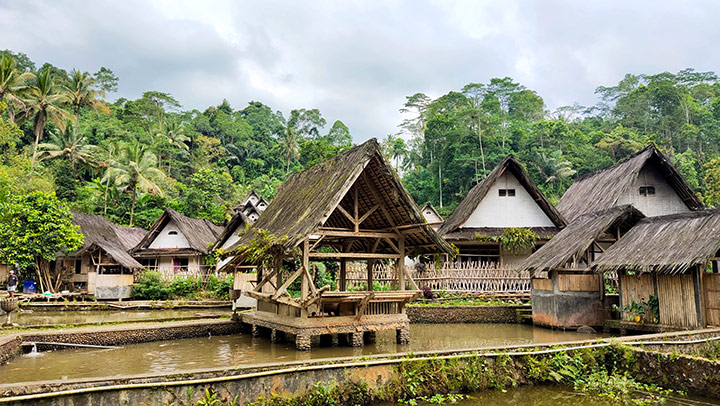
(506, 192)
(647, 190)
(150, 263)
(173, 232)
(78, 266)
(180, 264)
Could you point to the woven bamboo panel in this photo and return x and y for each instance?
(676, 296)
(711, 285)
(578, 283)
(542, 284)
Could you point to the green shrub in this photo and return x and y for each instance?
(150, 286)
(184, 287)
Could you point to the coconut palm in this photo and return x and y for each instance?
(135, 171)
(105, 154)
(81, 94)
(45, 102)
(289, 144)
(554, 167)
(12, 84)
(68, 145)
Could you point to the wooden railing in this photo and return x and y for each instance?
(475, 277)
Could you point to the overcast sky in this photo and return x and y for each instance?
(356, 61)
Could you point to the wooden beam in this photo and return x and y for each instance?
(358, 234)
(363, 304)
(401, 263)
(411, 280)
(377, 197)
(348, 215)
(311, 284)
(305, 278)
(368, 213)
(287, 283)
(355, 208)
(393, 246)
(265, 280)
(317, 242)
(353, 255)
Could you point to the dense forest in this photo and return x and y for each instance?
(129, 159)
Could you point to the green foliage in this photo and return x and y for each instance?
(151, 285)
(258, 249)
(518, 239)
(621, 389)
(645, 310)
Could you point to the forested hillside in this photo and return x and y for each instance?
(129, 159)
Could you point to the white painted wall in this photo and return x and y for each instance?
(430, 216)
(664, 201)
(508, 211)
(165, 240)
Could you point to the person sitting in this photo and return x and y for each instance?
(12, 284)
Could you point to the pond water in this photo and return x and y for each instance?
(51, 318)
(165, 357)
(557, 396)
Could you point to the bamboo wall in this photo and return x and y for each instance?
(676, 297)
(635, 288)
(711, 286)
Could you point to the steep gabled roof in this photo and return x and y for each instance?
(478, 192)
(665, 244)
(237, 221)
(112, 238)
(308, 200)
(201, 234)
(578, 236)
(430, 207)
(602, 189)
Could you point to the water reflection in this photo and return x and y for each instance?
(242, 349)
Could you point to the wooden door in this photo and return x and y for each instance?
(711, 293)
(676, 299)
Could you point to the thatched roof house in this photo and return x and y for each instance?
(175, 233)
(572, 243)
(431, 214)
(252, 206)
(319, 197)
(115, 240)
(668, 245)
(647, 180)
(506, 198)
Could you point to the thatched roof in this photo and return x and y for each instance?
(578, 236)
(115, 240)
(475, 233)
(309, 200)
(478, 192)
(665, 244)
(201, 234)
(602, 189)
(239, 220)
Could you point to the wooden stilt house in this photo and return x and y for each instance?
(668, 269)
(646, 180)
(103, 267)
(350, 208)
(505, 201)
(564, 292)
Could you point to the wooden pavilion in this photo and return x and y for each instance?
(349, 208)
(675, 259)
(564, 292)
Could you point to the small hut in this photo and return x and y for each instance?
(564, 294)
(647, 180)
(673, 259)
(505, 201)
(349, 208)
(177, 244)
(103, 267)
(253, 206)
(432, 216)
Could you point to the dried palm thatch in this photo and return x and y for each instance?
(201, 234)
(602, 189)
(478, 192)
(237, 224)
(309, 199)
(666, 244)
(115, 240)
(577, 237)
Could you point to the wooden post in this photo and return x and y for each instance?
(401, 262)
(276, 266)
(305, 283)
(370, 266)
(342, 274)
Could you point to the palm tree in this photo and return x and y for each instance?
(81, 94)
(172, 134)
(289, 144)
(68, 145)
(12, 84)
(554, 168)
(135, 171)
(104, 155)
(45, 102)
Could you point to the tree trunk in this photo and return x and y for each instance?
(132, 209)
(440, 181)
(107, 187)
(38, 136)
(482, 153)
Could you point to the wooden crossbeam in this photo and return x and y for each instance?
(316, 298)
(317, 242)
(359, 234)
(266, 279)
(411, 280)
(363, 304)
(377, 197)
(287, 283)
(353, 255)
(346, 214)
(313, 289)
(368, 213)
(393, 246)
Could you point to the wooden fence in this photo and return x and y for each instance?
(476, 277)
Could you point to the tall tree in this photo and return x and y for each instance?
(81, 94)
(135, 171)
(68, 145)
(12, 84)
(45, 103)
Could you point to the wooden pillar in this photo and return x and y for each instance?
(276, 266)
(342, 274)
(370, 266)
(305, 283)
(401, 262)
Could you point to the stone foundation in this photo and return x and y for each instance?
(463, 314)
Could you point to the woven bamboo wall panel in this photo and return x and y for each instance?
(636, 288)
(578, 283)
(676, 297)
(711, 285)
(542, 284)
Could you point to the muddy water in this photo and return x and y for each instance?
(225, 351)
(557, 396)
(94, 316)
